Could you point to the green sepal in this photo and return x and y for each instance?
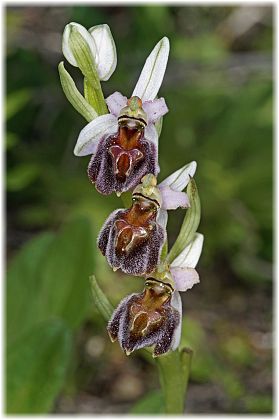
(159, 125)
(85, 61)
(164, 251)
(74, 96)
(190, 223)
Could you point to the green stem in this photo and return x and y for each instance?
(95, 97)
(174, 371)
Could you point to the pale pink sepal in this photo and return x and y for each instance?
(171, 199)
(184, 278)
(116, 102)
(155, 109)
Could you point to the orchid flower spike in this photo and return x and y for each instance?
(124, 143)
(100, 44)
(150, 318)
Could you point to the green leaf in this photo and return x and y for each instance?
(11, 140)
(190, 222)
(74, 96)
(22, 175)
(16, 101)
(36, 368)
(65, 271)
(152, 403)
(49, 278)
(100, 300)
(23, 286)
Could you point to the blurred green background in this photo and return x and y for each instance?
(219, 90)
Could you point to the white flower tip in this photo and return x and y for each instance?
(180, 178)
(106, 56)
(192, 168)
(166, 43)
(153, 71)
(66, 49)
(189, 257)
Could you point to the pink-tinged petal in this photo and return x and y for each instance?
(92, 133)
(177, 304)
(150, 134)
(162, 218)
(180, 178)
(171, 199)
(184, 278)
(155, 109)
(152, 74)
(189, 257)
(116, 102)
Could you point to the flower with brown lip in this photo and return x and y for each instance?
(150, 318)
(132, 239)
(124, 142)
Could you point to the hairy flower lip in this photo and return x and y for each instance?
(143, 255)
(159, 321)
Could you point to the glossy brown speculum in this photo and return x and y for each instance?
(135, 226)
(126, 151)
(149, 310)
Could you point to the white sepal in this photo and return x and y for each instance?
(162, 218)
(189, 257)
(153, 72)
(105, 57)
(93, 132)
(150, 134)
(176, 304)
(180, 178)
